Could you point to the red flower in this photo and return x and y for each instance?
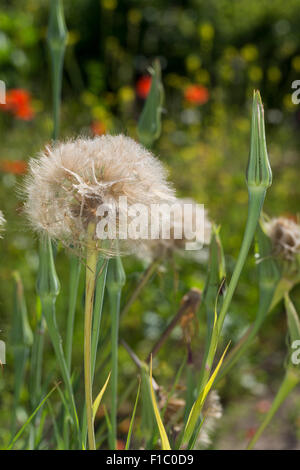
(196, 94)
(18, 102)
(16, 167)
(250, 432)
(98, 128)
(143, 86)
(120, 444)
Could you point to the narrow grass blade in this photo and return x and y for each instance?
(98, 399)
(19, 434)
(132, 418)
(98, 305)
(291, 379)
(75, 268)
(114, 285)
(198, 405)
(22, 339)
(56, 38)
(163, 435)
(292, 319)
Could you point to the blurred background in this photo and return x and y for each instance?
(213, 54)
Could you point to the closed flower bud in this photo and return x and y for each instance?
(259, 174)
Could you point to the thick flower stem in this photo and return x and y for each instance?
(290, 381)
(256, 200)
(91, 267)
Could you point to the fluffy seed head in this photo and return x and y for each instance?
(212, 411)
(285, 237)
(67, 183)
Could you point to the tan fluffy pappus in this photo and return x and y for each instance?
(66, 184)
(2, 222)
(212, 412)
(285, 237)
(161, 247)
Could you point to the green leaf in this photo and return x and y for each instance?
(98, 399)
(292, 318)
(194, 415)
(132, 418)
(163, 435)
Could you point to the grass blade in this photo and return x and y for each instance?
(132, 418)
(163, 435)
(19, 433)
(97, 402)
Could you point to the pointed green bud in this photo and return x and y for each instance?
(149, 125)
(259, 172)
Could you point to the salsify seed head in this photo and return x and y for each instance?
(67, 183)
(285, 237)
(212, 412)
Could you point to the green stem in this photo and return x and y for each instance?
(99, 296)
(256, 200)
(48, 306)
(290, 380)
(57, 34)
(115, 283)
(91, 268)
(75, 268)
(97, 315)
(37, 362)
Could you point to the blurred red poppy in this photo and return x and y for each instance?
(196, 94)
(250, 432)
(120, 445)
(18, 102)
(143, 86)
(98, 128)
(16, 167)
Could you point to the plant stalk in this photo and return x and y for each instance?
(91, 269)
